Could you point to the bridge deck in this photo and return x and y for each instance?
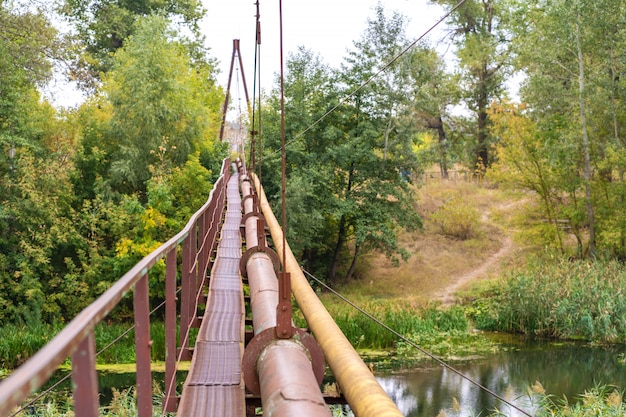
(214, 384)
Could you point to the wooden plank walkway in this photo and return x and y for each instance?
(214, 385)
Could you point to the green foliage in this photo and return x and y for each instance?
(28, 42)
(479, 30)
(160, 110)
(123, 404)
(86, 193)
(18, 343)
(444, 332)
(104, 26)
(457, 219)
(572, 53)
(348, 193)
(567, 300)
(599, 401)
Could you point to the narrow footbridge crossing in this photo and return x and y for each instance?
(228, 311)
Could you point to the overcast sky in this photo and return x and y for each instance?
(328, 27)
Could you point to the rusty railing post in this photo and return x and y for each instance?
(185, 297)
(169, 401)
(85, 378)
(193, 274)
(141, 305)
(201, 257)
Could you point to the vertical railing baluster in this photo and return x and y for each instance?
(203, 252)
(169, 402)
(85, 378)
(185, 297)
(193, 312)
(142, 347)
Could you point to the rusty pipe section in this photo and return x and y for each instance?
(260, 269)
(364, 394)
(288, 386)
(263, 292)
(249, 207)
(284, 372)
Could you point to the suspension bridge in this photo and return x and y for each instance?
(247, 354)
(230, 283)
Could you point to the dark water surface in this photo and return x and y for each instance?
(562, 369)
(428, 389)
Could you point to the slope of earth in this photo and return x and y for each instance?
(441, 265)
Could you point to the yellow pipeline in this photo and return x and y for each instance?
(364, 394)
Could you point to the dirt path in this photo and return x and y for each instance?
(491, 264)
(447, 296)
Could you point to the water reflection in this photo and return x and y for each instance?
(561, 369)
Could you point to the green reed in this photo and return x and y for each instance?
(427, 327)
(18, 343)
(568, 300)
(606, 401)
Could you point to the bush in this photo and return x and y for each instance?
(457, 219)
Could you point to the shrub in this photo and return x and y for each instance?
(457, 219)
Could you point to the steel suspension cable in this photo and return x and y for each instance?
(254, 78)
(375, 75)
(256, 146)
(416, 346)
(260, 131)
(282, 135)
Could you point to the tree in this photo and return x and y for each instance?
(384, 38)
(433, 91)
(374, 154)
(105, 25)
(162, 108)
(525, 159)
(27, 44)
(479, 30)
(346, 171)
(569, 51)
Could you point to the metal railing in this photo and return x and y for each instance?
(77, 340)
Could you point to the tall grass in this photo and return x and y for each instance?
(603, 401)
(567, 300)
(404, 319)
(442, 332)
(123, 404)
(18, 343)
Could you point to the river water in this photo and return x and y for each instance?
(561, 369)
(428, 390)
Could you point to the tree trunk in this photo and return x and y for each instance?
(353, 264)
(341, 234)
(482, 153)
(332, 274)
(443, 148)
(585, 137)
(387, 133)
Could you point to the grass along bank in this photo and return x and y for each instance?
(446, 333)
(577, 300)
(18, 343)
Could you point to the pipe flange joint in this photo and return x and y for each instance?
(243, 262)
(264, 339)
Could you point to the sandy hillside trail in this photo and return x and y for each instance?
(489, 267)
